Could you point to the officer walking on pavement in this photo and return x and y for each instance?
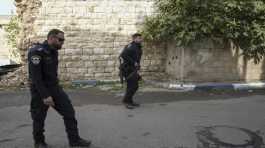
(46, 92)
(129, 69)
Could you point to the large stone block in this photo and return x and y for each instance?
(66, 58)
(99, 75)
(85, 58)
(73, 51)
(98, 70)
(109, 69)
(75, 64)
(88, 64)
(109, 51)
(62, 70)
(111, 62)
(100, 63)
(76, 58)
(98, 51)
(88, 52)
(77, 70)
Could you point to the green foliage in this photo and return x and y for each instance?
(185, 21)
(12, 30)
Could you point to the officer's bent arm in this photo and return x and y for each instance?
(35, 70)
(126, 55)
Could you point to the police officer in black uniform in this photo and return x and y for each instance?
(46, 92)
(130, 66)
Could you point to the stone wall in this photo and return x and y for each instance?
(208, 61)
(96, 32)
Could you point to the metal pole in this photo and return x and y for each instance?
(182, 67)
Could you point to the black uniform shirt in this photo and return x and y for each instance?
(132, 53)
(43, 66)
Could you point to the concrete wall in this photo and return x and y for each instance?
(206, 61)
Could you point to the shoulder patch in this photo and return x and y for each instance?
(35, 59)
(40, 49)
(36, 47)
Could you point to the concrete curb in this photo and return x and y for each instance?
(85, 82)
(93, 82)
(185, 87)
(208, 86)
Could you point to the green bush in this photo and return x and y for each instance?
(185, 21)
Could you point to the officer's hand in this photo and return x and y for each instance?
(49, 101)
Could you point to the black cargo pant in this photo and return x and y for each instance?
(62, 105)
(132, 79)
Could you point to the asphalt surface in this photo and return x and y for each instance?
(166, 119)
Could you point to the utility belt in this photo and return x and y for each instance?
(47, 84)
(128, 71)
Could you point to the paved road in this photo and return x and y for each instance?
(166, 119)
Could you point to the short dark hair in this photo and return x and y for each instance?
(54, 32)
(136, 35)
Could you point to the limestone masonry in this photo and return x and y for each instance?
(97, 30)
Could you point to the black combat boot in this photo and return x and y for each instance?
(135, 104)
(127, 104)
(40, 145)
(80, 143)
